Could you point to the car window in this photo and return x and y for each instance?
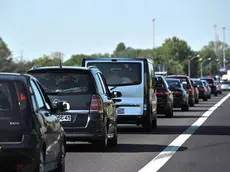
(8, 103)
(107, 91)
(174, 83)
(38, 96)
(65, 81)
(198, 82)
(160, 85)
(120, 73)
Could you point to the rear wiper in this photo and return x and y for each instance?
(125, 84)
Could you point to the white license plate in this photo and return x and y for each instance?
(64, 117)
(120, 111)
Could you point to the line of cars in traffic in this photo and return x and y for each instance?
(181, 91)
(41, 110)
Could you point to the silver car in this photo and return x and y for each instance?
(225, 85)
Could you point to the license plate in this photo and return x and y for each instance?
(120, 111)
(64, 117)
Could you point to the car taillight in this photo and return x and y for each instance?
(190, 90)
(201, 89)
(158, 93)
(219, 86)
(22, 97)
(96, 104)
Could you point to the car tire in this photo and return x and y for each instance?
(197, 101)
(205, 98)
(216, 94)
(61, 163)
(154, 124)
(192, 103)
(185, 107)
(102, 144)
(147, 124)
(209, 96)
(113, 141)
(40, 165)
(169, 112)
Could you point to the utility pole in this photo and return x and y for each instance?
(215, 40)
(223, 46)
(153, 32)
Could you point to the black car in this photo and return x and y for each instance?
(31, 136)
(164, 97)
(185, 80)
(180, 95)
(92, 116)
(212, 85)
(203, 92)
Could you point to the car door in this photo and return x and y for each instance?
(47, 123)
(109, 104)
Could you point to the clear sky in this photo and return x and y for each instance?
(96, 26)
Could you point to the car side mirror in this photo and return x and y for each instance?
(62, 106)
(116, 94)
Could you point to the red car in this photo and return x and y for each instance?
(196, 91)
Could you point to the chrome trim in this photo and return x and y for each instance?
(78, 111)
(13, 143)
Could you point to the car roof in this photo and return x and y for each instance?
(63, 68)
(118, 58)
(177, 76)
(173, 79)
(12, 76)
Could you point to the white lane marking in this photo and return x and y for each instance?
(170, 150)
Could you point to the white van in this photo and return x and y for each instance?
(134, 78)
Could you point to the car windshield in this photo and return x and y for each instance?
(174, 83)
(198, 82)
(120, 73)
(183, 80)
(65, 81)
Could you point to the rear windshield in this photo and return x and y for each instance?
(210, 81)
(65, 81)
(120, 73)
(12, 99)
(174, 83)
(225, 82)
(198, 82)
(183, 80)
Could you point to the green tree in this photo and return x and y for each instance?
(5, 57)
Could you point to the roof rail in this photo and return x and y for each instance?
(92, 67)
(35, 67)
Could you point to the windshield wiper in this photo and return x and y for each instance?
(125, 84)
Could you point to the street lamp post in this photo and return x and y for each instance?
(153, 32)
(201, 69)
(189, 64)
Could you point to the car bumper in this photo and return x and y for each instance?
(24, 154)
(94, 129)
(178, 102)
(201, 94)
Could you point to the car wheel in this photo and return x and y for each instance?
(205, 98)
(40, 166)
(61, 163)
(192, 103)
(197, 101)
(169, 112)
(185, 107)
(147, 124)
(113, 141)
(209, 96)
(216, 94)
(102, 144)
(154, 124)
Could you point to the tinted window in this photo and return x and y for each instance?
(225, 82)
(174, 83)
(120, 73)
(210, 81)
(10, 99)
(198, 82)
(160, 84)
(183, 80)
(65, 81)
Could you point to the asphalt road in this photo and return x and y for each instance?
(206, 150)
